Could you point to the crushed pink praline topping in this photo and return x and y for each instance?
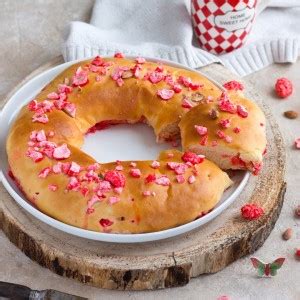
(155, 164)
(43, 118)
(136, 173)
(186, 103)
(118, 190)
(57, 168)
(165, 94)
(62, 152)
(93, 167)
(51, 133)
(150, 178)
(63, 88)
(180, 179)
(97, 61)
(236, 129)
(84, 191)
(146, 193)
(256, 168)
(156, 77)
(297, 143)
(233, 85)
(74, 168)
(201, 130)
(52, 187)
(203, 140)
(113, 200)
(193, 158)
(103, 187)
(45, 172)
(237, 161)
(33, 105)
(191, 179)
(228, 139)
(70, 109)
(178, 168)
(136, 70)
(105, 223)
(242, 111)
(41, 136)
(159, 68)
(225, 104)
(119, 168)
(73, 184)
(120, 82)
(119, 55)
(80, 77)
(187, 82)
(34, 155)
(162, 180)
(140, 60)
(225, 123)
(177, 88)
(117, 179)
(53, 96)
(220, 134)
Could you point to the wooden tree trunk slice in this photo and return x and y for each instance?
(160, 264)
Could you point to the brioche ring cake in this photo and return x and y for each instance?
(43, 145)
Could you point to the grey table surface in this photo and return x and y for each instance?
(31, 33)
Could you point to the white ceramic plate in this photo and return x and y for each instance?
(141, 146)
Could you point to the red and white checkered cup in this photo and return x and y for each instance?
(222, 26)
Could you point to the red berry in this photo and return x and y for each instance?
(283, 87)
(251, 211)
(117, 179)
(193, 158)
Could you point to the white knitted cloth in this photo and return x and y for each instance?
(162, 29)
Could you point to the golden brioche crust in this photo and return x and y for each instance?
(43, 148)
(232, 141)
